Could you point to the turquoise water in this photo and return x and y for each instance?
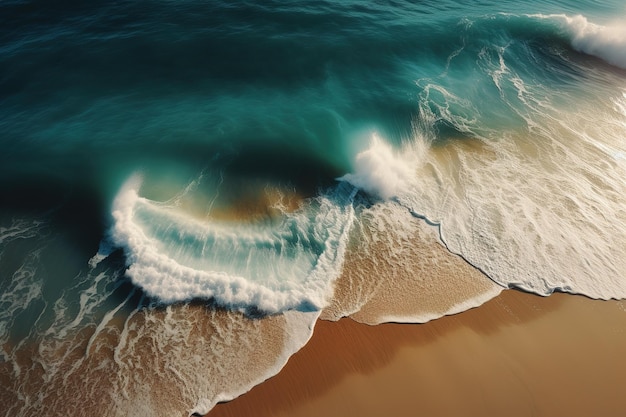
(156, 157)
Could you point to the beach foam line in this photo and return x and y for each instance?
(397, 270)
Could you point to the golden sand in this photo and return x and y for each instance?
(517, 355)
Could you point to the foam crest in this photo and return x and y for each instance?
(607, 42)
(273, 266)
(381, 172)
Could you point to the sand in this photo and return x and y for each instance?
(517, 355)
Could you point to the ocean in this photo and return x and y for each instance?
(188, 186)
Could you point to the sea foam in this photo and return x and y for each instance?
(540, 209)
(607, 42)
(274, 266)
(380, 171)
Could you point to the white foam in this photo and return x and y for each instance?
(604, 41)
(211, 355)
(540, 209)
(25, 287)
(380, 171)
(270, 266)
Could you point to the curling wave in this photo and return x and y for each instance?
(272, 267)
(607, 42)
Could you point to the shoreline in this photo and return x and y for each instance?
(518, 354)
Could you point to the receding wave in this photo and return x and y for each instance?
(102, 349)
(397, 270)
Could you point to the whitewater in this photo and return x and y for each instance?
(188, 216)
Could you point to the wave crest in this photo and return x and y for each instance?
(271, 267)
(607, 42)
(381, 172)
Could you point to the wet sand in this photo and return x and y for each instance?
(517, 355)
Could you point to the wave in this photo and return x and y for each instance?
(607, 42)
(270, 266)
(483, 181)
(381, 172)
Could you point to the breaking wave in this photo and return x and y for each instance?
(272, 266)
(607, 42)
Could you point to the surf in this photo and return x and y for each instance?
(289, 263)
(607, 41)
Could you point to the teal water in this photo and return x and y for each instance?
(159, 156)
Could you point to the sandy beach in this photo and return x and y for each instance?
(517, 355)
